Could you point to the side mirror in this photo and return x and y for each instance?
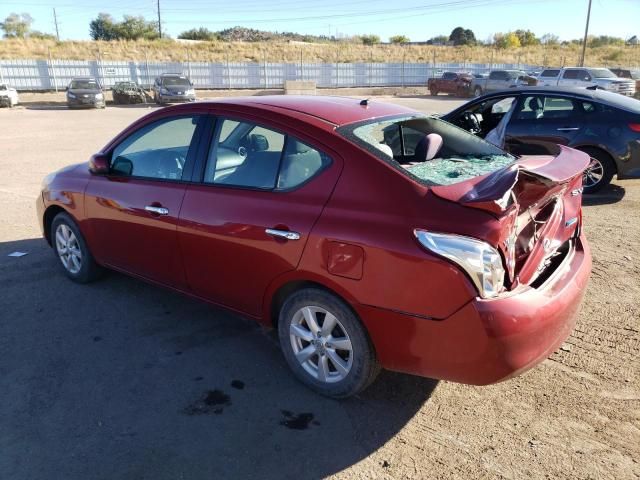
(99, 164)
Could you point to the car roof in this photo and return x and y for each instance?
(172, 75)
(610, 98)
(336, 110)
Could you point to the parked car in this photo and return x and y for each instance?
(627, 73)
(602, 124)
(8, 96)
(499, 80)
(173, 88)
(586, 77)
(85, 92)
(456, 261)
(128, 92)
(452, 83)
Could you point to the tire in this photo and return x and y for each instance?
(600, 171)
(347, 372)
(434, 92)
(65, 238)
(477, 92)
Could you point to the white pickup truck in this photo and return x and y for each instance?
(586, 77)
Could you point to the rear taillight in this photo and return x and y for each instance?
(635, 127)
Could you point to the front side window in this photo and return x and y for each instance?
(252, 156)
(550, 73)
(158, 150)
(570, 74)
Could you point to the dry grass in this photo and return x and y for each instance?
(169, 50)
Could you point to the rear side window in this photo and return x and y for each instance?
(253, 156)
(449, 76)
(158, 150)
(550, 73)
(498, 76)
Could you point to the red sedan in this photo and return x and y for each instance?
(368, 234)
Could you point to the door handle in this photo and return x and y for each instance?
(283, 234)
(568, 129)
(157, 210)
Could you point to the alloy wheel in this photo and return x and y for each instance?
(321, 344)
(593, 174)
(68, 249)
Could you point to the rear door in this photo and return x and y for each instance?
(248, 217)
(542, 122)
(133, 211)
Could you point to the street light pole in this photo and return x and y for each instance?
(586, 32)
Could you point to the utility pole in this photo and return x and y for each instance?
(159, 21)
(586, 32)
(55, 20)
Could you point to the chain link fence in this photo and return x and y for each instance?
(56, 74)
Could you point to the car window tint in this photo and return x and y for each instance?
(588, 107)
(570, 74)
(558, 107)
(158, 150)
(300, 163)
(249, 156)
(550, 73)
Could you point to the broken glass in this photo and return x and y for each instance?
(447, 171)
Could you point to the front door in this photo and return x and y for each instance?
(133, 211)
(249, 218)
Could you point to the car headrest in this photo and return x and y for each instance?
(535, 104)
(297, 147)
(259, 143)
(428, 147)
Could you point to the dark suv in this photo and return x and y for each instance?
(173, 87)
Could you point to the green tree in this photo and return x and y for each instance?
(526, 37)
(369, 39)
(103, 28)
(17, 25)
(41, 35)
(506, 40)
(199, 34)
(399, 39)
(461, 36)
(135, 28)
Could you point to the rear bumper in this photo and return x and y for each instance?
(486, 341)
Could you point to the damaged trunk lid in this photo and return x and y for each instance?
(537, 201)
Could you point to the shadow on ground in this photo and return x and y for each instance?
(612, 193)
(120, 379)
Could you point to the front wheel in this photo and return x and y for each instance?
(433, 92)
(72, 251)
(477, 92)
(325, 344)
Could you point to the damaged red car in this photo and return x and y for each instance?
(371, 236)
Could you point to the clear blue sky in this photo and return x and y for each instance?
(419, 20)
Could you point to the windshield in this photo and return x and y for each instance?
(428, 149)
(84, 85)
(602, 73)
(175, 81)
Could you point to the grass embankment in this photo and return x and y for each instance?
(169, 50)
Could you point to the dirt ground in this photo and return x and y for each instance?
(120, 379)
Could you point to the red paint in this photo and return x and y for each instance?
(356, 222)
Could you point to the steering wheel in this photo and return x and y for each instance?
(470, 122)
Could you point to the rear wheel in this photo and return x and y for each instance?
(477, 91)
(325, 344)
(72, 251)
(433, 92)
(599, 172)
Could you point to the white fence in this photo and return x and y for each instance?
(56, 74)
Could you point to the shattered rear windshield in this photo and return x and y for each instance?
(427, 149)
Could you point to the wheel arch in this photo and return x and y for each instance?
(598, 148)
(49, 214)
(280, 291)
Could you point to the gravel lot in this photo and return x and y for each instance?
(120, 379)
